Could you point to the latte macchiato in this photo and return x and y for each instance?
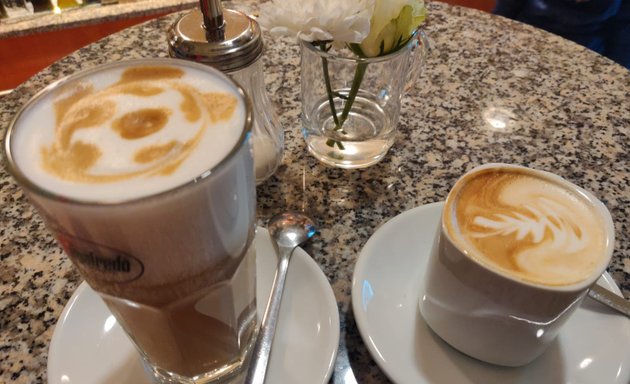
(143, 170)
(529, 227)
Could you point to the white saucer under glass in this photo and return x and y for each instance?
(593, 346)
(89, 347)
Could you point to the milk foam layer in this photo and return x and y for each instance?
(529, 227)
(127, 132)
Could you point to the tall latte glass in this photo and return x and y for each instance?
(515, 254)
(143, 171)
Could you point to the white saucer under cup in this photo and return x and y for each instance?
(89, 347)
(593, 347)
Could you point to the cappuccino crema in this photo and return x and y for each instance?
(128, 132)
(528, 226)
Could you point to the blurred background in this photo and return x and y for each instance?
(24, 51)
(24, 54)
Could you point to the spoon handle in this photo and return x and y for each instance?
(262, 349)
(608, 298)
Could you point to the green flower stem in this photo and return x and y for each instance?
(359, 72)
(331, 102)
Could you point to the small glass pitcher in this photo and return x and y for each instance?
(351, 105)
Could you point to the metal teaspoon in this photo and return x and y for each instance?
(289, 230)
(608, 298)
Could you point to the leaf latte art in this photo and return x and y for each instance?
(531, 228)
(548, 222)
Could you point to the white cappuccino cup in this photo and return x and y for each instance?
(516, 252)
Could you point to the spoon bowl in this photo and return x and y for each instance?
(290, 229)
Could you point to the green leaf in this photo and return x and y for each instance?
(409, 19)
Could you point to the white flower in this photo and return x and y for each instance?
(318, 20)
(393, 23)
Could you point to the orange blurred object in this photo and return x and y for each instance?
(484, 5)
(43, 49)
(19, 64)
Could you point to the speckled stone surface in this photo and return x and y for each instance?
(91, 14)
(567, 111)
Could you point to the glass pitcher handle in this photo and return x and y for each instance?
(418, 58)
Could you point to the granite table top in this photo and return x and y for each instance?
(560, 108)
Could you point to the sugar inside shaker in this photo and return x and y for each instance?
(232, 42)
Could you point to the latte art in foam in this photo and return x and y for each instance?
(132, 116)
(134, 131)
(529, 227)
(548, 222)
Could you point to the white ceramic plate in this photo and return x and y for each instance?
(89, 347)
(593, 347)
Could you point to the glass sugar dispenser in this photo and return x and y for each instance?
(232, 42)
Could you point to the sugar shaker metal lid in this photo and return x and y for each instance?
(226, 39)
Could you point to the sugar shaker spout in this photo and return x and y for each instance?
(213, 21)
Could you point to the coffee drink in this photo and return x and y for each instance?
(144, 172)
(527, 226)
(515, 253)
